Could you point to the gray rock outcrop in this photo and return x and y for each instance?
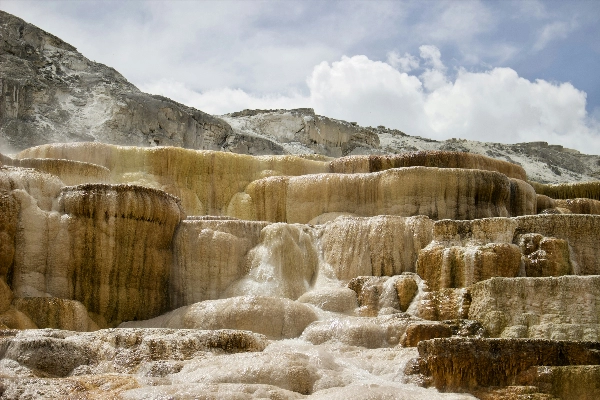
(51, 93)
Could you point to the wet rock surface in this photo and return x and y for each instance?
(453, 364)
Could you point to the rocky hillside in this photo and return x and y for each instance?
(50, 93)
(300, 131)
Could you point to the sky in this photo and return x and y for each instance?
(499, 71)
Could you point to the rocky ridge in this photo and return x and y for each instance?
(51, 93)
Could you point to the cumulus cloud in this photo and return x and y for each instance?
(495, 105)
(498, 105)
(432, 56)
(369, 92)
(405, 63)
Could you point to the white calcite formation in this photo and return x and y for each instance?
(329, 272)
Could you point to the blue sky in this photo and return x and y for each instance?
(506, 71)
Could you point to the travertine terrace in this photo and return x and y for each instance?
(325, 256)
(161, 252)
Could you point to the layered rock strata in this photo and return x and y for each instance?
(377, 246)
(120, 246)
(452, 364)
(571, 190)
(580, 231)
(558, 308)
(283, 130)
(209, 255)
(205, 181)
(107, 246)
(437, 193)
(436, 159)
(465, 252)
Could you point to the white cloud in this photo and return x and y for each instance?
(369, 92)
(223, 100)
(553, 31)
(405, 63)
(459, 21)
(496, 105)
(432, 56)
(433, 78)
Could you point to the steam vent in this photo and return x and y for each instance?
(222, 265)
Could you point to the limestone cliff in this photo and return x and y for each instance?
(107, 246)
(437, 159)
(293, 130)
(205, 181)
(209, 255)
(378, 246)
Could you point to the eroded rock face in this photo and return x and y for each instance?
(207, 182)
(559, 308)
(68, 171)
(458, 266)
(580, 231)
(438, 193)
(444, 304)
(380, 294)
(209, 255)
(286, 128)
(437, 159)
(543, 256)
(452, 364)
(564, 382)
(126, 280)
(51, 312)
(465, 252)
(108, 247)
(9, 212)
(570, 190)
(579, 206)
(377, 246)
